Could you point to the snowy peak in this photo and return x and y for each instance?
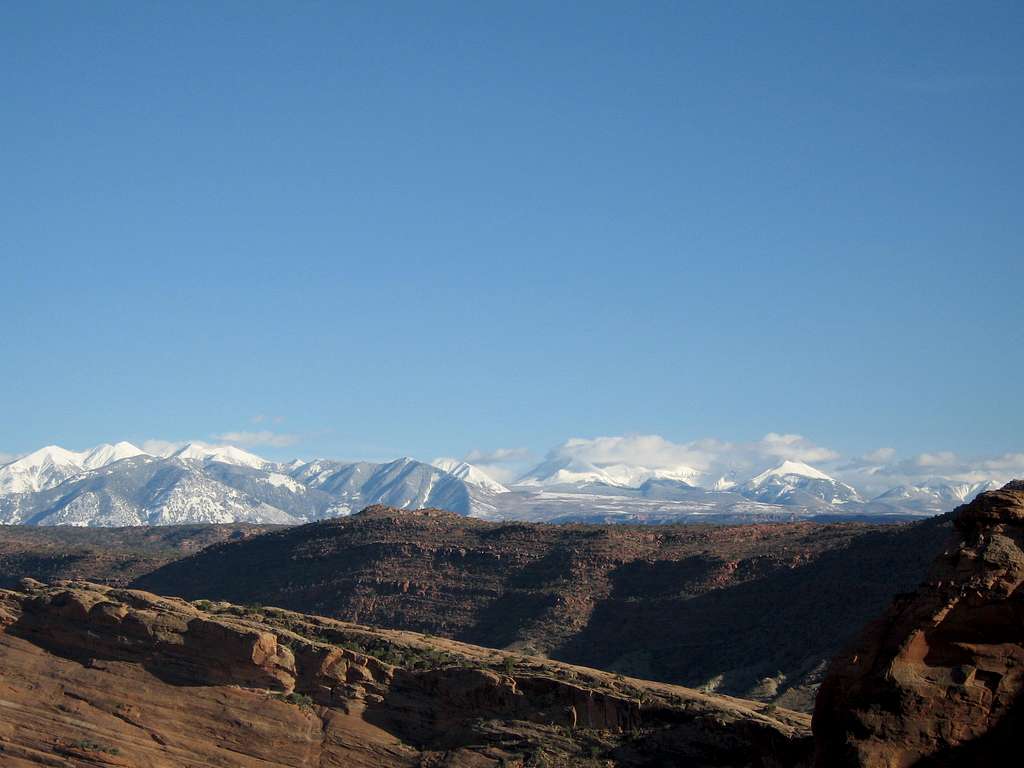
(795, 483)
(936, 495)
(724, 483)
(226, 454)
(567, 472)
(39, 470)
(50, 455)
(470, 475)
(787, 467)
(105, 454)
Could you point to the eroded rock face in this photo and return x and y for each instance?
(107, 676)
(168, 635)
(939, 680)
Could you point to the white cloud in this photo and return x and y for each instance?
(160, 447)
(938, 459)
(874, 472)
(712, 456)
(261, 437)
(651, 451)
(503, 464)
(871, 463)
(879, 455)
(7, 457)
(794, 447)
(498, 456)
(1008, 462)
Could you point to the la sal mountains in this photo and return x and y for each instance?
(119, 484)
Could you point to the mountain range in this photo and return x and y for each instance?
(122, 485)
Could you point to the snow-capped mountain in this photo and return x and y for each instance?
(52, 465)
(404, 483)
(105, 454)
(724, 483)
(569, 473)
(39, 470)
(226, 454)
(119, 484)
(114, 485)
(935, 496)
(146, 491)
(470, 474)
(794, 483)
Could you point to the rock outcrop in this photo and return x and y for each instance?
(94, 675)
(939, 679)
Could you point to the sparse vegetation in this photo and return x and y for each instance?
(298, 699)
(88, 745)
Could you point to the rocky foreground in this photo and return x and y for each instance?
(92, 675)
(939, 679)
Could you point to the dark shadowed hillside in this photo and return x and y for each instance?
(106, 555)
(748, 610)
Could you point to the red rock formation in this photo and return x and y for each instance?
(939, 680)
(92, 675)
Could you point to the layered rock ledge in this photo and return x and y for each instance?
(94, 675)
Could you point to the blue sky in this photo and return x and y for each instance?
(368, 230)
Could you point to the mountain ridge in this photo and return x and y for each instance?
(103, 486)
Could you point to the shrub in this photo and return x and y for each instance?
(88, 745)
(298, 699)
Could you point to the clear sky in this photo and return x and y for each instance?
(364, 230)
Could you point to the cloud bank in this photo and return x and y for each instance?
(711, 456)
(874, 472)
(503, 464)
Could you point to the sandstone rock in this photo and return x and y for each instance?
(939, 680)
(103, 676)
(169, 636)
